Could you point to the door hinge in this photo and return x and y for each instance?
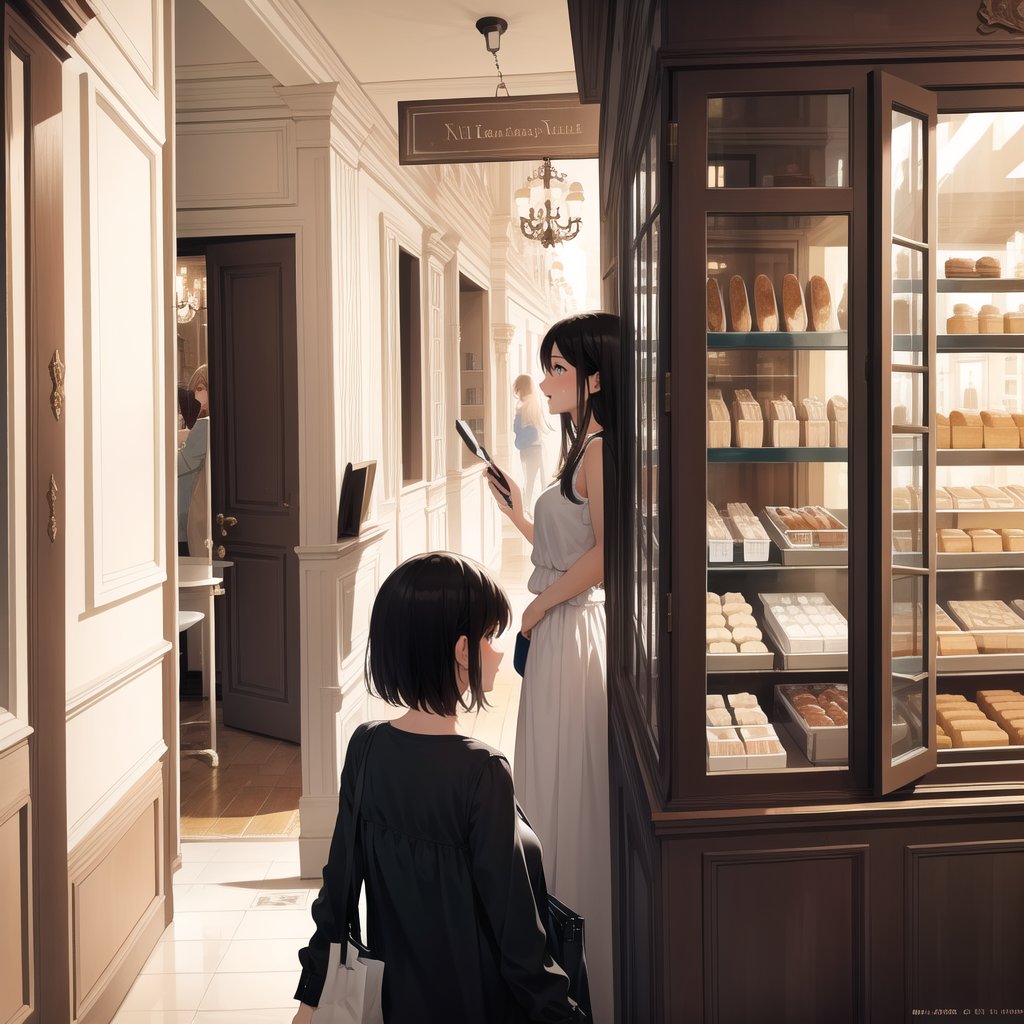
(668, 391)
(673, 141)
(668, 613)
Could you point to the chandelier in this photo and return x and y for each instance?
(539, 205)
(187, 302)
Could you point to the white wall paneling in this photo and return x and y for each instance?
(236, 164)
(113, 741)
(123, 353)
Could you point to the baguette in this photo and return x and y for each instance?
(739, 308)
(766, 311)
(716, 308)
(794, 314)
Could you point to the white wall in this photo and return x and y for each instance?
(115, 492)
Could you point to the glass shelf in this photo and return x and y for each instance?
(981, 343)
(782, 455)
(981, 284)
(811, 340)
(974, 457)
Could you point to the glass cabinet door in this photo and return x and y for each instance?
(904, 729)
(980, 445)
(777, 426)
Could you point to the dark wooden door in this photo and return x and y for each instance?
(255, 479)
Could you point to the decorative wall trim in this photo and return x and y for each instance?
(273, 175)
(107, 583)
(51, 500)
(98, 690)
(58, 22)
(145, 65)
(122, 853)
(57, 380)
(719, 968)
(17, 968)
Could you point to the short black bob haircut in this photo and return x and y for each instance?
(420, 612)
(590, 342)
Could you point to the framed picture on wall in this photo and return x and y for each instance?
(356, 487)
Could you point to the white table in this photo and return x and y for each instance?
(195, 606)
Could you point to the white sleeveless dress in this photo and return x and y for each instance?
(561, 762)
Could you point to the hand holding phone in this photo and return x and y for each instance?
(467, 435)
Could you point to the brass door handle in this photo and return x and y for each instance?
(224, 522)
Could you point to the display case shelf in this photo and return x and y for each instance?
(741, 455)
(969, 561)
(970, 457)
(1007, 344)
(992, 285)
(808, 340)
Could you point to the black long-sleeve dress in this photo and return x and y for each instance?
(454, 879)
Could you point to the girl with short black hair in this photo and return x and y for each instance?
(453, 872)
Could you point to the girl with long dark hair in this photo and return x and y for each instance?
(561, 761)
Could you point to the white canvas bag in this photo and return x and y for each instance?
(352, 990)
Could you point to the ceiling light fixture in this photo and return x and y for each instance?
(539, 205)
(492, 29)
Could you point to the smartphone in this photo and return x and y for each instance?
(467, 435)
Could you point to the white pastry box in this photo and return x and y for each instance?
(762, 762)
(731, 762)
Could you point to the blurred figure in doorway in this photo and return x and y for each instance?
(527, 427)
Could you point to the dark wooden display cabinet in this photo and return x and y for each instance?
(843, 863)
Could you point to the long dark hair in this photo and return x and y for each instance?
(591, 343)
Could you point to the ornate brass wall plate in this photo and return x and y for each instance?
(57, 378)
(1006, 14)
(51, 497)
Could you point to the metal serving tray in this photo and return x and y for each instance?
(802, 556)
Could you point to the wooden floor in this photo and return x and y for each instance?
(255, 791)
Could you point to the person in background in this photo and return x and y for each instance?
(562, 731)
(453, 872)
(527, 426)
(192, 448)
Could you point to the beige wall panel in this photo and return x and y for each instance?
(124, 354)
(246, 164)
(100, 642)
(356, 591)
(101, 772)
(15, 881)
(134, 26)
(111, 898)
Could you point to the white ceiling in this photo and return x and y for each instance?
(413, 40)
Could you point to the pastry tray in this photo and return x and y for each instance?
(820, 744)
(802, 555)
(816, 661)
(757, 550)
(741, 662)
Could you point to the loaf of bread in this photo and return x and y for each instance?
(742, 619)
(753, 647)
(718, 716)
(819, 304)
(966, 429)
(943, 438)
(966, 497)
(751, 716)
(994, 497)
(766, 312)
(744, 634)
(960, 267)
(739, 308)
(988, 266)
(794, 315)
(714, 700)
(1013, 539)
(722, 647)
(716, 633)
(716, 307)
(986, 541)
(981, 739)
(954, 541)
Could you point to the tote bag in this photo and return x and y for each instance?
(352, 991)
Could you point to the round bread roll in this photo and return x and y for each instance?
(714, 621)
(819, 721)
(722, 647)
(736, 608)
(753, 647)
(741, 619)
(744, 634)
(715, 634)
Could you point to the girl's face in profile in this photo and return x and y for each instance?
(559, 385)
(491, 653)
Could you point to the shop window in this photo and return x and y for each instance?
(644, 606)
(411, 352)
(472, 349)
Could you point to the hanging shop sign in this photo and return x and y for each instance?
(496, 128)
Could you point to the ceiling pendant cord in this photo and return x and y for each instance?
(501, 83)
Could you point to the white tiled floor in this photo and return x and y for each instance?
(230, 956)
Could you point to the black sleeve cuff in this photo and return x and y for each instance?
(310, 987)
